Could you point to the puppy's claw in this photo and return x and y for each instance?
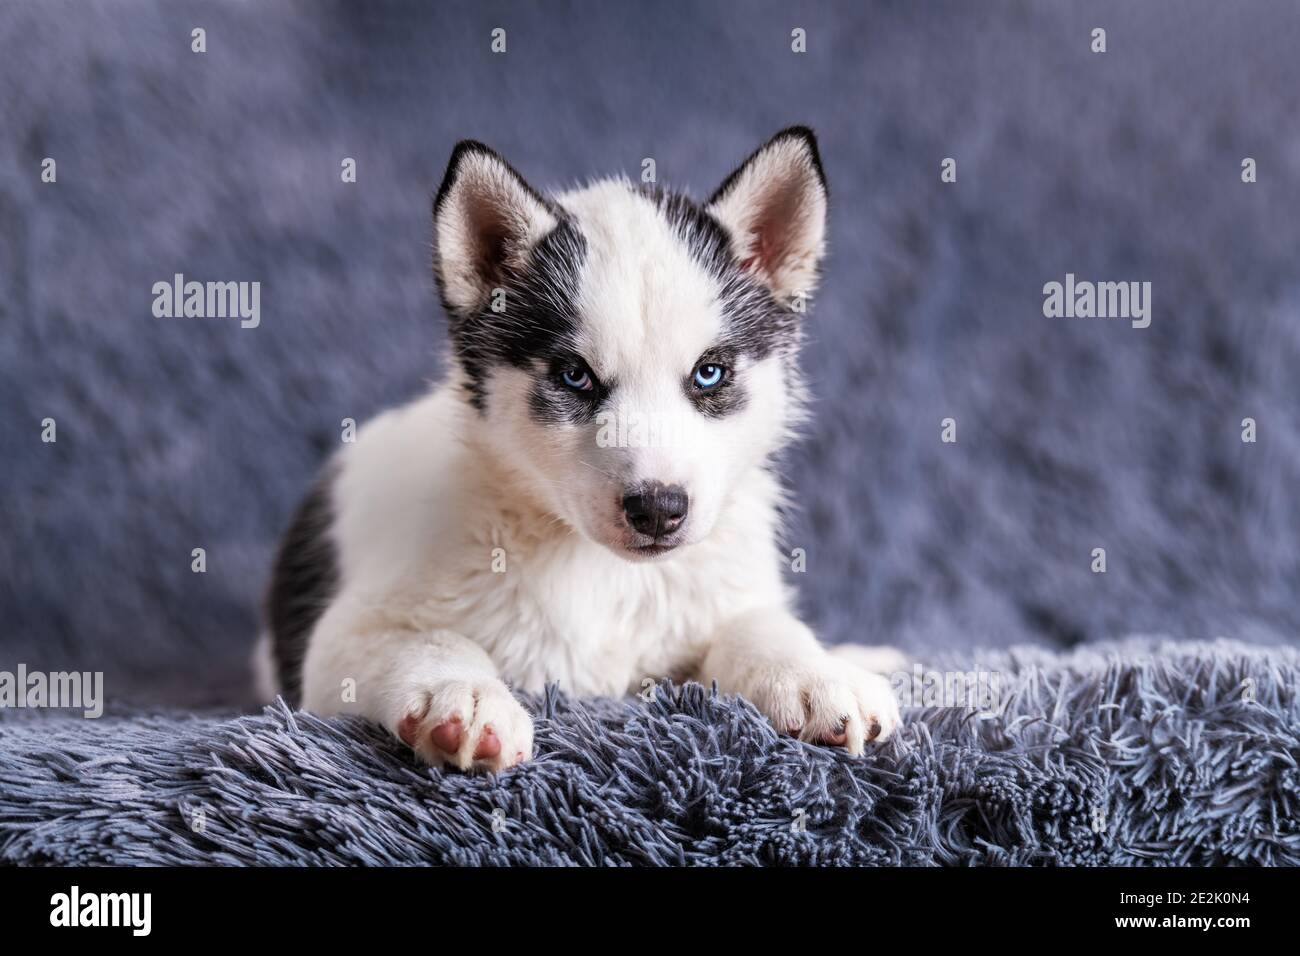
(873, 728)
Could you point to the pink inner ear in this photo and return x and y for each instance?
(491, 235)
(771, 232)
(759, 260)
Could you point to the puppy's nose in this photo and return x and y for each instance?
(655, 509)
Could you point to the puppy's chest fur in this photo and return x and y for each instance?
(549, 606)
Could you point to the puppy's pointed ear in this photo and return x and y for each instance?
(486, 221)
(774, 207)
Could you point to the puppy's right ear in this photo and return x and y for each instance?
(486, 219)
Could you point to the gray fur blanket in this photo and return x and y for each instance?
(1136, 753)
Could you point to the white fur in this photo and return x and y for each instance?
(434, 496)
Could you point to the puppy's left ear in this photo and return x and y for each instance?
(774, 207)
(487, 221)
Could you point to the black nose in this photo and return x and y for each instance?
(655, 509)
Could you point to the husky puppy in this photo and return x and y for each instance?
(589, 497)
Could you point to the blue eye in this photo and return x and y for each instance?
(709, 376)
(577, 379)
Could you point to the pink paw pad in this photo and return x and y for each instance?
(408, 728)
(446, 736)
(489, 745)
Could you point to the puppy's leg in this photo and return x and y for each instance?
(772, 659)
(436, 691)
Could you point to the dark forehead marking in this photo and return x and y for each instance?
(551, 404)
(756, 323)
(705, 237)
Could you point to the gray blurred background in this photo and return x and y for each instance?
(1072, 433)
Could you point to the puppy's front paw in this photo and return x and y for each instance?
(473, 725)
(828, 702)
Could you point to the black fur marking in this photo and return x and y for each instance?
(722, 401)
(705, 237)
(537, 315)
(303, 581)
(757, 324)
(538, 320)
(554, 403)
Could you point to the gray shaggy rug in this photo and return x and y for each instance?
(1141, 752)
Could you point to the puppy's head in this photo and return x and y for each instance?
(630, 353)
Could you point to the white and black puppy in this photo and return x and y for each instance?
(588, 498)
